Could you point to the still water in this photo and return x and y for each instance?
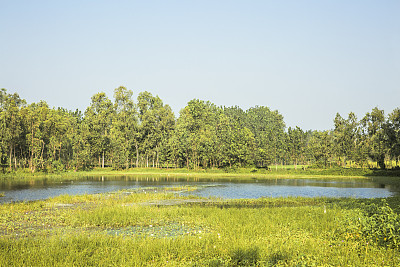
(227, 189)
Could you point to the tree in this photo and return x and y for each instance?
(394, 134)
(237, 139)
(320, 146)
(98, 117)
(79, 136)
(196, 127)
(296, 144)
(36, 138)
(11, 125)
(156, 122)
(124, 127)
(375, 131)
(345, 137)
(268, 128)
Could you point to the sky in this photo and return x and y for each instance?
(307, 59)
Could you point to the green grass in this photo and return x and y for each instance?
(136, 229)
(242, 173)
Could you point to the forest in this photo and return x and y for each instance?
(128, 133)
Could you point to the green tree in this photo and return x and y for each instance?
(79, 136)
(321, 147)
(156, 122)
(268, 128)
(57, 127)
(124, 127)
(394, 134)
(296, 142)
(345, 137)
(35, 116)
(198, 138)
(11, 125)
(98, 117)
(376, 136)
(237, 140)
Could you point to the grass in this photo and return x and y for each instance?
(229, 173)
(134, 228)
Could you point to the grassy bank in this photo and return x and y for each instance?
(243, 173)
(143, 228)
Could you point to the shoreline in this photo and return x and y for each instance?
(242, 173)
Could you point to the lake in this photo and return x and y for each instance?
(220, 188)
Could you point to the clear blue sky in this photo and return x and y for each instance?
(306, 59)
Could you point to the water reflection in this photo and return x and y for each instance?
(223, 188)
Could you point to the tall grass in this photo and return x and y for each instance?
(130, 230)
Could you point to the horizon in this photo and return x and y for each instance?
(309, 60)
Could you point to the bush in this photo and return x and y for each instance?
(245, 257)
(378, 224)
(57, 166)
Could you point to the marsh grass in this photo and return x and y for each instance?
(280, 171)
(118, 230)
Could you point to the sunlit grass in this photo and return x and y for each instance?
(135, 228)
(273, 172)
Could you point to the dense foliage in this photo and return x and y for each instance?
(125, 133)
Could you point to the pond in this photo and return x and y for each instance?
(220, 188)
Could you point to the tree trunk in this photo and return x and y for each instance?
(102, 165)
(11, 149)
(77, 161)
(59, 152)
(41, 154)
(137, 155)
(157, 161)
(15, 160)
(31, 161)
(381, 162)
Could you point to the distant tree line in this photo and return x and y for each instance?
(125, 133)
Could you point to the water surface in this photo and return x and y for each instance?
(221, 188)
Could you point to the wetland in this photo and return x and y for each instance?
(176, 221)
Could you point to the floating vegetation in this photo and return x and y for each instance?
(152, 190)
(173, 202)
(171, 230)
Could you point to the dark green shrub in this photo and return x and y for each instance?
(245, 257)
(378, 224)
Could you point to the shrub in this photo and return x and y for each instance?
(378, 224)
(245, 257)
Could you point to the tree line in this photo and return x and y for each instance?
(126, 133)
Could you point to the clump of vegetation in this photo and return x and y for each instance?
(376, 224)
(245, 256)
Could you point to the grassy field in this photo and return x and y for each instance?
(147, 228)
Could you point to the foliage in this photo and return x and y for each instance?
(376, 223)
(125, 134)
